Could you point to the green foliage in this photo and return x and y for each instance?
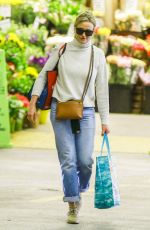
(20, 84)
(62, 13)
(14, 51)
(23, 14)
(33, 36)
(59, 12)
(119, 75)
(17, 113)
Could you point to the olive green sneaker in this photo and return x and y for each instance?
(73, 216)
(78, 204)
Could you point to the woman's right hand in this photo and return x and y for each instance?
(32, 112)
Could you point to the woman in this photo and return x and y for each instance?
(75, 148)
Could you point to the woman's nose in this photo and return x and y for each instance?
(84, 34)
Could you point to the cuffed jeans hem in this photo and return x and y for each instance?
(84, 189)
(71, 199)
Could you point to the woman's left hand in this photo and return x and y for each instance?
(105, 129)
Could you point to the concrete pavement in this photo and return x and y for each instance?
(31, 194)
(129, 134)
(30, 180)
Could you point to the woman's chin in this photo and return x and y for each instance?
(83, 40)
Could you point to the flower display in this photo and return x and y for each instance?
(20, 84)
(122, 68)
(2, 40)
(126, 44)
(17, 112)
(138, 50)
(144, 77)
(122, 44)
(101, 37)
(115, 42)
(147, 48)
(137, 63)
(130, 46)
(14, 50)
(33, 39)
(40, 6)
(23, 13)
(22, 98)
(118, 68)
(31, 71)
(38, 61)
(125, 62)
(11, 66)
(102, 32)
(14, 38)
(130, 20)
(11, 2)
(63, 13)
(32, 36)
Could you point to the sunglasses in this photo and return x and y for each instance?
(80, 31)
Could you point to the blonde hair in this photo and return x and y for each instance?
(86, 16)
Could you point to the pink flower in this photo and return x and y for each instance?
(138, 46)
(124, 62)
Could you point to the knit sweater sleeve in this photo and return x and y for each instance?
(102, 92)
(50, 64)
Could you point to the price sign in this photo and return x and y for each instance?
(5, 24)
(5, 11)
(36, 23)
(99, 5)
(4, 110)
(131, 5)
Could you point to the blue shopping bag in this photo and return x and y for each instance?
(106, 188)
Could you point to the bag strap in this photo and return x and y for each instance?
(60, 53)
(62, 49)
(89, 76)
(105, 140)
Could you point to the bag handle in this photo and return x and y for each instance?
(89, 76)
(62, 49)
(60, 53)
(105, 141)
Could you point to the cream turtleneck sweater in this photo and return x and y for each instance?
(73, 69)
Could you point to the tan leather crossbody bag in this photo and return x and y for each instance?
(73, 109)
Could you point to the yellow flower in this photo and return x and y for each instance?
(104, 31)
(112, 59)
(31, 71)
(137, 62)
(18, 74)
(141, 41)
(21, 44)
(13, 37)
(2, 40)
(11, 2)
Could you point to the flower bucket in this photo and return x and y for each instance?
(120, 98)
(19, 124)
(43, 116)
(146, 104)
(12, 125)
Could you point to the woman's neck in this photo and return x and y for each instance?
(81, 45)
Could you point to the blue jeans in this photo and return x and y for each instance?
(74, 152)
